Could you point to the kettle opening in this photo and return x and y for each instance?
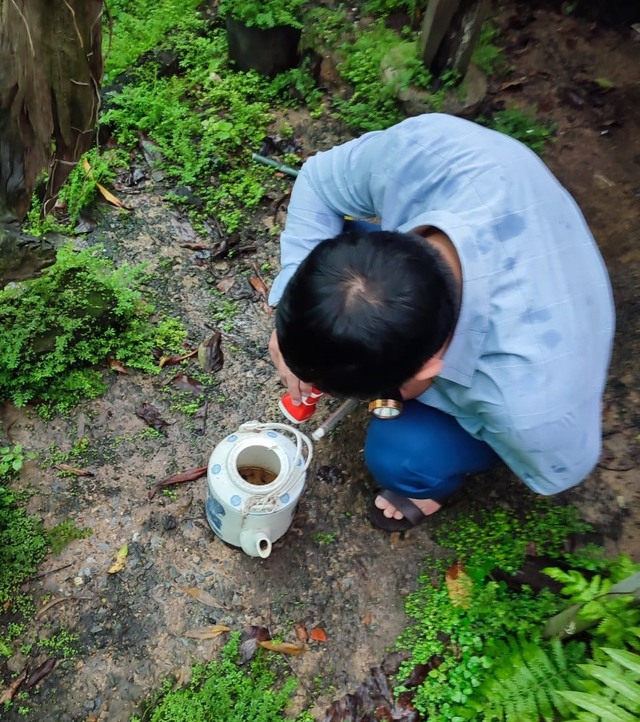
(258, 465)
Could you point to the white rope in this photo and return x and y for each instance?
(270, 501)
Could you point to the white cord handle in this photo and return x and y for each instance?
(270, 501)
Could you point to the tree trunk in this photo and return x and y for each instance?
(50, 73)
(450, 32)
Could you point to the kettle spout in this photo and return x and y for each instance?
(255, 543)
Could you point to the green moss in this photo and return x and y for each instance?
(61, 535)
(264, 14)
(374, 103)
(80, 189)
(498, 538)
(523, 126)
(59, 328)
(223, 690)
(23, 542)
(133, 28)
(488, 56)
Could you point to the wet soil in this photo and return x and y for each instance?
(332, 569)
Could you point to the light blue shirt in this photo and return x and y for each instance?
(527, 364)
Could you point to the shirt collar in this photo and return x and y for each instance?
(461, 356)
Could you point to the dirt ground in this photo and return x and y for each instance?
(332, 569)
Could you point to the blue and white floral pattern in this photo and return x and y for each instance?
(217, 507)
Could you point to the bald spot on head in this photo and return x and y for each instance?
(359, 290)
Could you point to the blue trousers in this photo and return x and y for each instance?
(423, 453)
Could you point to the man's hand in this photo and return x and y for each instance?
(296, 388)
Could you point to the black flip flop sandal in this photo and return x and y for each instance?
(412, 516)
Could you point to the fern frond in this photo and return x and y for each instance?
(524, 683)
(612, 690)
(628, 660)
(613, 678)
(604, 709)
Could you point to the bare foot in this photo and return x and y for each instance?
(426, 506)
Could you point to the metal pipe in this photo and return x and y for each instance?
(275, 164)
(346, 408)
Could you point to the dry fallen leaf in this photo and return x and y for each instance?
(56, 601)
(10, 692)
(119, 560)
(72, 470)
(301, 632)
(117, 366)
(249, 640)
(284, 647)
(186, 383)
(151, 415)
(107, 195)
(318, 634)
(459, 586)
(259, 286)
(40, 673)
(203, 597)
(210, 356)
(172, 360)
(191, 475)
(516, 83)
(210, 632)
(225, 283)
(605, 83)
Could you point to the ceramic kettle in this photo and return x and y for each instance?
(255, 477)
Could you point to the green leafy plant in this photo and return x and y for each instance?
(487, 56)
(522, 126)
(465, 621)
(263, 14)
(524, 679)
(12, 459)
(204, 122)
(533, 679)
(131, 29)
(499, 538)
(613, 689)
(324, 538)
(374, 104)
(452, 633)
(61, 644)
(613, 616)
(12, 632)
(23, 543)
(323, 26)
(59, 327)
(61, 535)
(223, 311)
(223, 690)
(386, 7)
(80, 189)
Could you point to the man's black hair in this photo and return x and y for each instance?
(364, 311)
